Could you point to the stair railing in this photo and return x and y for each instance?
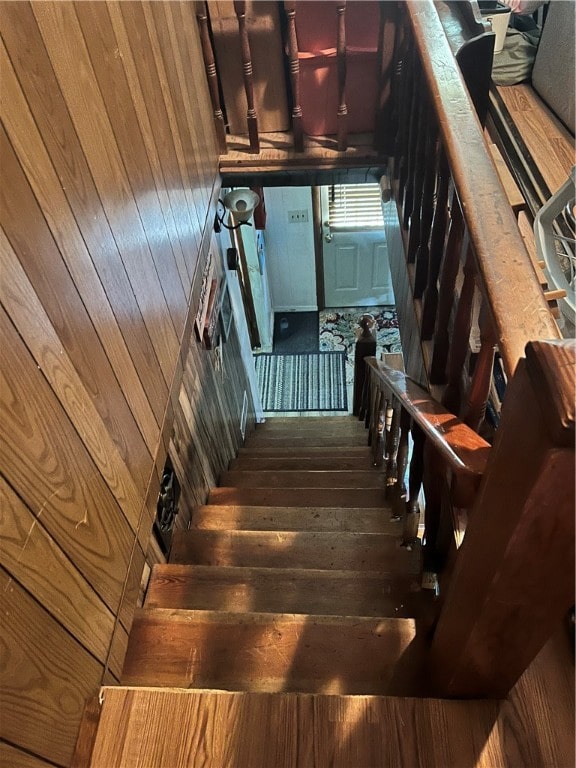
(470, 273)
(498, 521)
(448, 457)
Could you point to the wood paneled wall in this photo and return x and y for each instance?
(109, 177)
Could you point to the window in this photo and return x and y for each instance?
(355, 207)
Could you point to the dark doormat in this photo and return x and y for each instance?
(295, 333)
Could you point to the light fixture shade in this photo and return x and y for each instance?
(241, 203)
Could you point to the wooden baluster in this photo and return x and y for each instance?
(372, 414)
(422, 255)
(481, 380)
(342, 116)
(407, 127)
(461, 337)
(365, 397)
(435, 488)
(379, 429)
(399, 495)
(240, 9)
(402, 85)
(412, 518)
(450, 265)
(392, 443)
(210, 66)
(297, 129)
(415, 185)
(379, 121)
(430, 297)
(370, 404)
(416, 126)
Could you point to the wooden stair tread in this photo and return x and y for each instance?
(266, 652)
(295, 497)
(260, 730)
(261, 518)
(290, 590)
(296, 478)
(316, 451)
(258, 440)
(342, 425)
(513, 193)
(301, 549)
(313, 462)
(279, 421)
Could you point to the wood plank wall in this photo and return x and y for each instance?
(109, 179)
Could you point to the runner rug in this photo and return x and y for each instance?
(306, 382)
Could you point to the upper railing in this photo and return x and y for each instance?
(319, 72)
(447, 181)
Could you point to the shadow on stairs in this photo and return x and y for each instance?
(289, 628)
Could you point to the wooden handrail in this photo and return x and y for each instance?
(464, 451)
(499, 250)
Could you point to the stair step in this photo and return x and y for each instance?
(220, 728)
(275, 590)
(308, 422)
(296, 497)
(294, 478)
(288, 549)
(258, 518)
(303, 429)
(313, 462)
(297, 440)
(313, 451)
(259, 652)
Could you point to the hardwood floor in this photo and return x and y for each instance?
(545, 136)
(533, 728)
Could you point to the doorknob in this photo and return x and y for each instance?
(328, 235)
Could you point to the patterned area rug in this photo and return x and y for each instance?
(308, 382)
(339, 329)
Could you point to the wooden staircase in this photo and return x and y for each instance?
(289, 628)
(284, 583)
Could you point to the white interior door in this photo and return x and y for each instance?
(356, 267)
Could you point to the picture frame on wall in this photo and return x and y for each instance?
(205, 292)
(225, 312)
(211, 331)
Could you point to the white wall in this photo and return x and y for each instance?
(290, 250)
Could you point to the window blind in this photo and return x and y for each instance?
(355, 207)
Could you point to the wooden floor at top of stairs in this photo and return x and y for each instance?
(143, 728)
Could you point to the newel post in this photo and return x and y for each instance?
(513, 581)
(365, 347)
